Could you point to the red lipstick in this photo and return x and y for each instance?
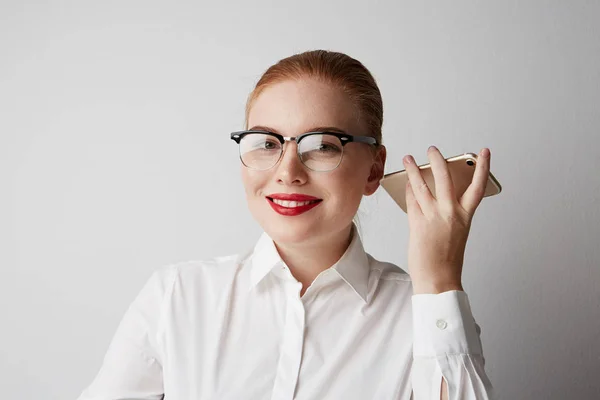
(292, 211)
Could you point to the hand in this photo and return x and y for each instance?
(439, 227)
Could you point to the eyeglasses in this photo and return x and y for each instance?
(318, 151)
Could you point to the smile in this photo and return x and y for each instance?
(292, 207)
(293, 204)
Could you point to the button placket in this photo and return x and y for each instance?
(288, 367)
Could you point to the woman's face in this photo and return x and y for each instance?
(291, 108)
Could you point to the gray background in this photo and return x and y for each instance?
(115, 160)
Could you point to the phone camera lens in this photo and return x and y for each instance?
(470, 162)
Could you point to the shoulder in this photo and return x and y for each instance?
(387, 271)
(210, 270)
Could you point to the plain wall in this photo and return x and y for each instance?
(115, 159)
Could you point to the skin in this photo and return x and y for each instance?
(439, 226)
(315, 240)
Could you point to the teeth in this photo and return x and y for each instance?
(292, 204)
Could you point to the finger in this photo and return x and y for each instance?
(474, 193)
(419, 186)
(444, 187)
(412, 206)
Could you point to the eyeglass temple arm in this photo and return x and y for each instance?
(365, 139)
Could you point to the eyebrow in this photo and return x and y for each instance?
(314, 129)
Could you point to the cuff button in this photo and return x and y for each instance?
(440, 323)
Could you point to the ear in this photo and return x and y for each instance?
(377, 171)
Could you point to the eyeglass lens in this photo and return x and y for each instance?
(319, 152)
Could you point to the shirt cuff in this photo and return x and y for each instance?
(443, 324)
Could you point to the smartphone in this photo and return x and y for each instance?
(461, 168)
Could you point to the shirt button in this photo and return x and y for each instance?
(440, 323)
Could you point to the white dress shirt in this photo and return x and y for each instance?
(237, 328)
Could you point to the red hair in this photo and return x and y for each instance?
(337, 69)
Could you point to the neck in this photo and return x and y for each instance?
(307, 260)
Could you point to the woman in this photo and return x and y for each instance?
(307, 313)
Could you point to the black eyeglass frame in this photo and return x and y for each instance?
(344, 138)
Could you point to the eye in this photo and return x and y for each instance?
(260, 142)
(326, 148)
(267, 144)
(270, 144)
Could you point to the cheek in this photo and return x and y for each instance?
(252, 182)
(253, 186)
(351, 178)
(346, 188)
(246, 179)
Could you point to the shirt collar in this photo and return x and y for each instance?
(353, 266)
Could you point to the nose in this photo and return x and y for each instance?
(290, 170)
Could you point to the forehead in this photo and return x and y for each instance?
(295, 106)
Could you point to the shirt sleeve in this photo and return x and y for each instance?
(447, 344)
(132, 368)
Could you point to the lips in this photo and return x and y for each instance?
(291, 204)
(292, 197)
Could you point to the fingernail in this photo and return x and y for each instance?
(408, 159)
(431, 148)
(485, 152)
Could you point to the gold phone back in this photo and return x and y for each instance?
(460, 171)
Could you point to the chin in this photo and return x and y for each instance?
(311, 226)
(290, 229)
